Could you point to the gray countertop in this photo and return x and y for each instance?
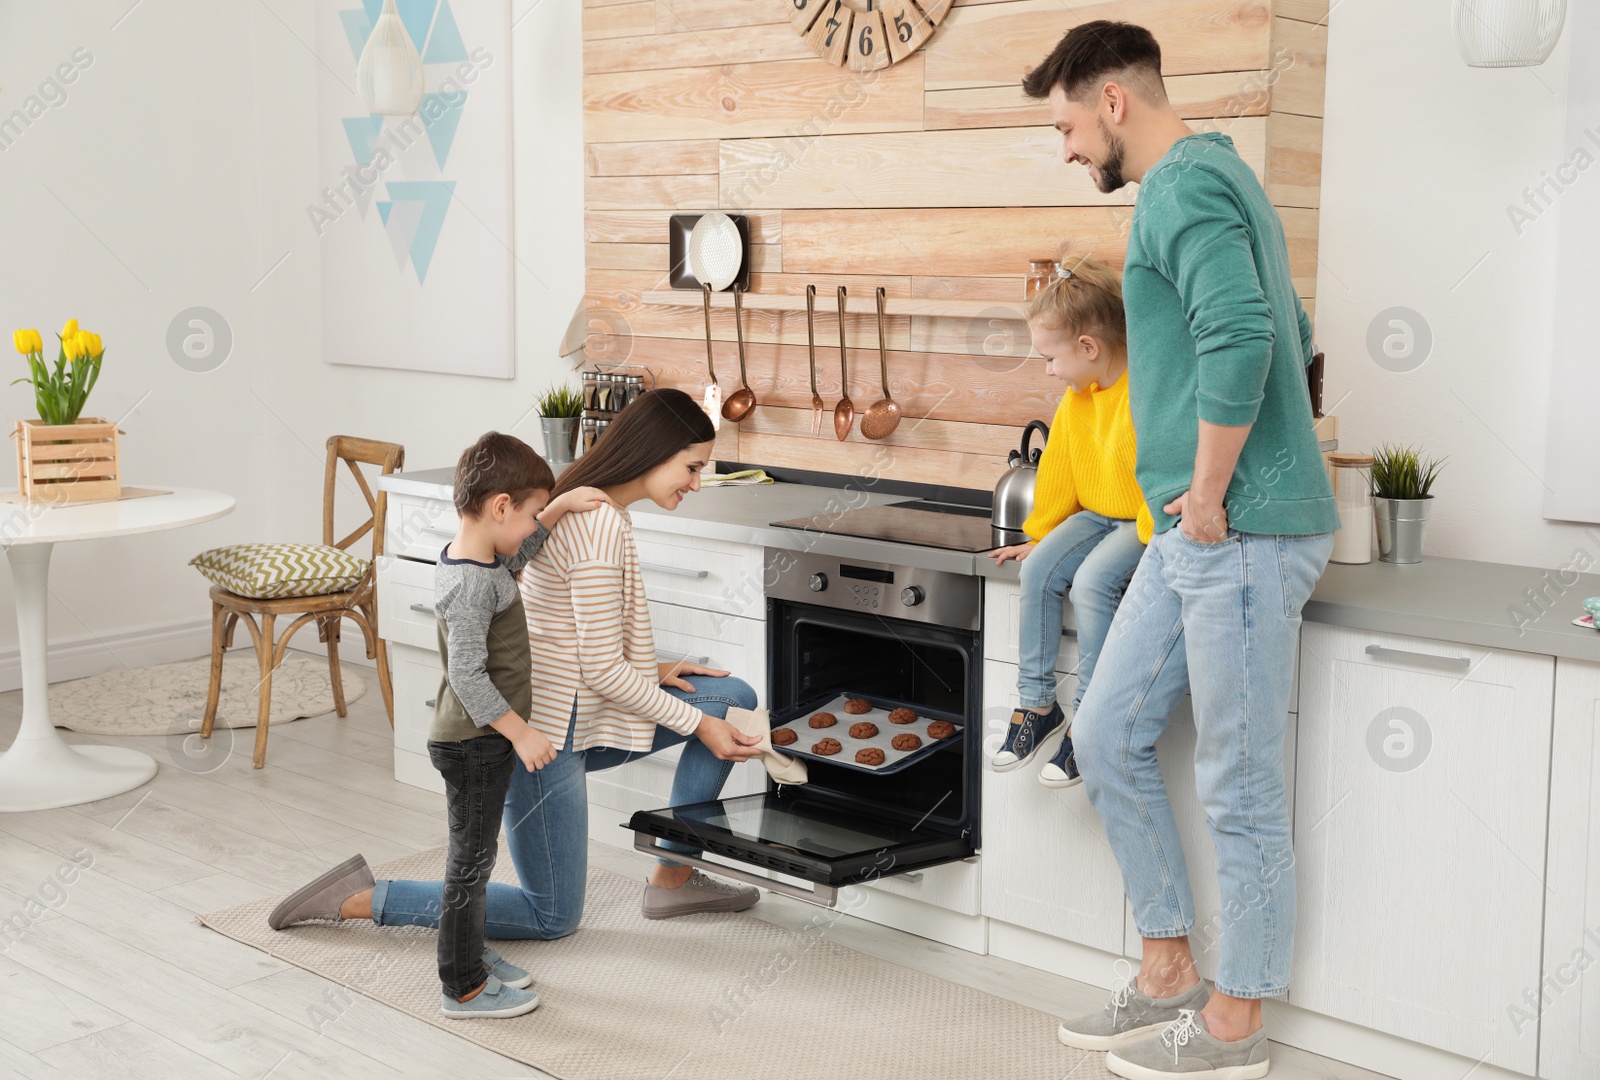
(1490, 605)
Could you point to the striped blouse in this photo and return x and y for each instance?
(589, 635)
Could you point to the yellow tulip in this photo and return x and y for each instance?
(89, 344)
(27, 341)
(70, 329)
(72, 346)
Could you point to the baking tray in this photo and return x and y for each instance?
(679, 226)
(893, 760)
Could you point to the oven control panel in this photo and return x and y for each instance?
(901, 592)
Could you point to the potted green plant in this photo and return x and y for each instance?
(560, 408)
(1402, 494)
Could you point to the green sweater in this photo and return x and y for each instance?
(1216, 333)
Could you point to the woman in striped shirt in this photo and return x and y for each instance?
(599, 695)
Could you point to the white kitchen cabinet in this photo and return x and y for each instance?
(1002, 606)
(1569, 1030)
(1046, 865)
(1421, 796)
(415, 674)
(695, 572)
(1175, 752)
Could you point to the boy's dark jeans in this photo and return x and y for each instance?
(476, 773)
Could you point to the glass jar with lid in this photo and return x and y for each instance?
(1041, 272)
(1352, 490)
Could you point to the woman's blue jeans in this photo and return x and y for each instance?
(547, 828)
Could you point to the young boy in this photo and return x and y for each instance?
(479, 726)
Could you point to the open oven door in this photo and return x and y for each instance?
(784, 831)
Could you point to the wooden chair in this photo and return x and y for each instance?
(360, 604)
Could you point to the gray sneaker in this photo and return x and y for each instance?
(495, 1001)
(1129, 1016)
(697, 895)
(321, 899)
(1186, 1049)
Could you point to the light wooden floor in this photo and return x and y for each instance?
(117, 979)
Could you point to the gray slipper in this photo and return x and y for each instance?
(321, 898)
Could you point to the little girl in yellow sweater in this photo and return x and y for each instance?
(1089, 524)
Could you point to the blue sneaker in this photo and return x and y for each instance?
(1062, 770)
(1027, 733)
(495, 1000)
(505, 970)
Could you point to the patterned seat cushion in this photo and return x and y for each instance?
(273, 571)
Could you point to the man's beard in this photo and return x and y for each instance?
(1110, 170)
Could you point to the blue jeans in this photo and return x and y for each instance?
(1223, 618)
(547, 828)
(1094, 556)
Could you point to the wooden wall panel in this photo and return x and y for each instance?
(996, 44)
(935, 178)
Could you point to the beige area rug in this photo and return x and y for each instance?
(706, 997)
(169, 698)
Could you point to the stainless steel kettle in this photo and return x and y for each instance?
(1013, 495)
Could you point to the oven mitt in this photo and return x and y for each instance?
(781, 767)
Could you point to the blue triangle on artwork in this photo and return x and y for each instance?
(361, 131)
(442, 119)
(435, 196)
(383, 211)
(418, 17)
(445, 46)
(357, 27)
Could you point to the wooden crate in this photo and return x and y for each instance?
(68, 463)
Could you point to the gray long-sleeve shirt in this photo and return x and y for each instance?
(468, 597)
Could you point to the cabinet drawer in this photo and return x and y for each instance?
(405, 604)
(417, 528)
(712, 575)
(1002, 608)
(736, 645)
(416, 675)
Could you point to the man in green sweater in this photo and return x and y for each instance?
(1229, 465)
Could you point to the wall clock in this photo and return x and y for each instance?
(864, 35)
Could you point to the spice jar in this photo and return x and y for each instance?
(1041, 272)
(1352, 490)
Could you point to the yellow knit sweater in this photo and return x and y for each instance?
(1088, 462)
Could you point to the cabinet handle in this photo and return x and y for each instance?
(431, 702)
(675, 657)
(438, 532)
(424, 609)
(678, 570)
(1406, 656)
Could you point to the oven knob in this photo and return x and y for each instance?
(911, 595)
(818, 582)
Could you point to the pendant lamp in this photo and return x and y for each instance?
(389, 74)
(1507, 33)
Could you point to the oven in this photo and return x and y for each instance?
(892, 636)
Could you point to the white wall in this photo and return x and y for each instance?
(1421, 157)
(185, 151)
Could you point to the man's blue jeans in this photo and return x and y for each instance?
(1223, 619)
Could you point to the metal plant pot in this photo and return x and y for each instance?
(1400, 527)
(560, 438)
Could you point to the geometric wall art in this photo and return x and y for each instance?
(413, 213)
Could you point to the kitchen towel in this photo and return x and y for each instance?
(781, 767)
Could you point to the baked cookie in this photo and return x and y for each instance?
(863, 730)
(902, 716)
(906, 741)
(941, 729)
(856, 706)
(870, 756)
(784, 737)
(827, 747)
(824, 719)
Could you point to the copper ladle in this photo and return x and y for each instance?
(844, 413)
(711, 400)
(883, 415)
(811, 349)
(741, 401)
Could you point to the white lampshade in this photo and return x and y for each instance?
(1507, 33)
(389, 74)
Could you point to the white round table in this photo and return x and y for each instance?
(40, 771)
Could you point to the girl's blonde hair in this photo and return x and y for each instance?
(1085, 298)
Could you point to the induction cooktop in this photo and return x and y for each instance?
(925, 524)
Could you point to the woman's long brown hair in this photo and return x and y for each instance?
(651, 430)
